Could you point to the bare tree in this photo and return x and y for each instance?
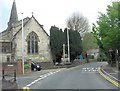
(79, 23)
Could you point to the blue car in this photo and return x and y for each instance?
(35, 67)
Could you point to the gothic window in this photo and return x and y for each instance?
(28, 45)
(32, 43)
(4, 49)
(8, 59)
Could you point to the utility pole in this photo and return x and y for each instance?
(22, 47)
(68, 46)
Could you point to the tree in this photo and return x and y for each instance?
(78, 22)
(56, 42)
(89, 42)
(58, 38)
(108, 30)
(75, 43)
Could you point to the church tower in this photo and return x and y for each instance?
(13, 16)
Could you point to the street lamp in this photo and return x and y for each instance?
(68, 46)
(22, 47)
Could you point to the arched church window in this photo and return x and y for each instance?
(28, 44)
(32, 43)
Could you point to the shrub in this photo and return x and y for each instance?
(27, 65)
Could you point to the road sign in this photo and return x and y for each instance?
(110, 50)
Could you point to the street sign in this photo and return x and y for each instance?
(110, 50)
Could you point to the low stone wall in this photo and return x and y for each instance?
(50, 65)
(46, 65)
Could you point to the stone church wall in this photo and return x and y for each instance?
(44, 53)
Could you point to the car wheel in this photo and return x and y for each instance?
(36, 69)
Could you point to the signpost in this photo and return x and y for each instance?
(111, 50)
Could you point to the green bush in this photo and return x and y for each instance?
(98, 58)
(27, 65)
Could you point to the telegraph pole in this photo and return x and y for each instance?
(22, 47)
(68, 46)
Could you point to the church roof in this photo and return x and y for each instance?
(14, 23)
(40, 25)
(13, 15)
(27, 22)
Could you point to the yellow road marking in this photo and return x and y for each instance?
(110, 80)
(26, 89)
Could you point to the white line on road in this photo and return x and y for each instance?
(109, 75)
(42, 77)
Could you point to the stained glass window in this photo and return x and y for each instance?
(32, 43)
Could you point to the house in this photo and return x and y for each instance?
(94, 52)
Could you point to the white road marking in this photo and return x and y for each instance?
(84, 68)
(112, 73)
(42, 77)
(89, 70)
(109, 75)
(54, 72)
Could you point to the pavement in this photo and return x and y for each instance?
(112, 74)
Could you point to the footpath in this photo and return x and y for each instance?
(112, 74)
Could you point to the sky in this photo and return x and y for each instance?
(52, 12)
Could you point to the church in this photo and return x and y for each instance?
(36, 40)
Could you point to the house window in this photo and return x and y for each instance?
(32, 43)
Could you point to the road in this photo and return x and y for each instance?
(85, 76)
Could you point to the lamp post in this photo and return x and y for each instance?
(22, 47)
(68, 46)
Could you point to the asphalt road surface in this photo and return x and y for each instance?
(85, 76)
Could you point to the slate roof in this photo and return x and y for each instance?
(14, 23)
(27, 22)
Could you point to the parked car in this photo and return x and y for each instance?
(35, 67)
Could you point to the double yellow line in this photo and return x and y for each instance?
(26, 89)
(107, 78)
